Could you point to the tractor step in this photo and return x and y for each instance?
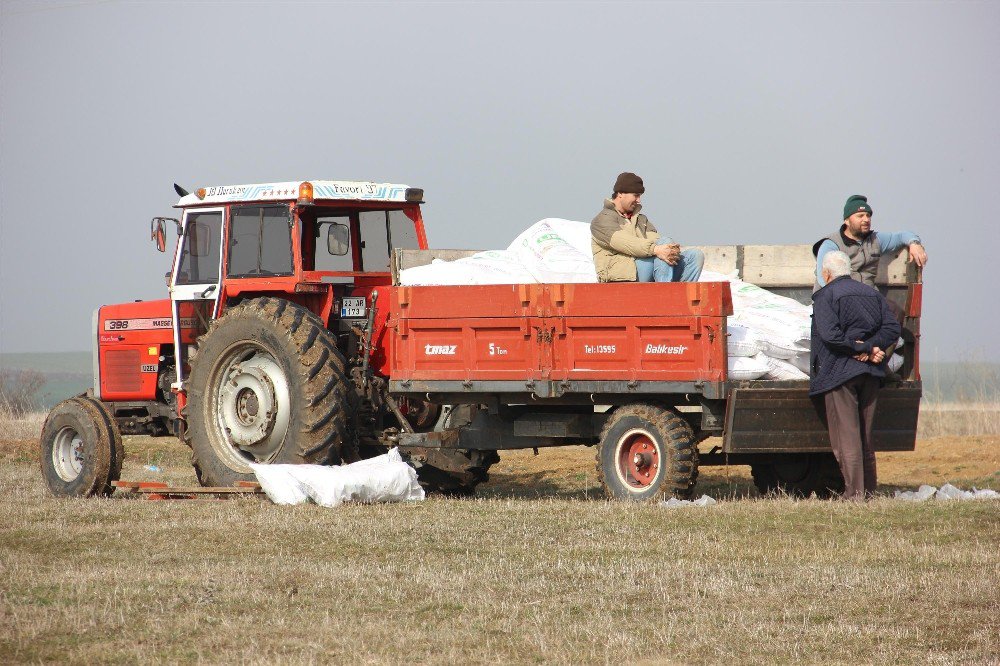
(157, 490)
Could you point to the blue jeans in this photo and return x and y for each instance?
(687, 269)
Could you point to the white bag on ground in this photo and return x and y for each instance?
(279, 485)
(385, 478)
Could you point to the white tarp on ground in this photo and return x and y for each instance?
(945, 492)
(385, 478)
(771, 329)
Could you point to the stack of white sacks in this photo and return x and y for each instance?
(768, 334)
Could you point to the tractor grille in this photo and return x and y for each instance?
(122, 370)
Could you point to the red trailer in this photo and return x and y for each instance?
(638, 370)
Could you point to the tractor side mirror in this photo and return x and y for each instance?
(158, 233)
(338, 239)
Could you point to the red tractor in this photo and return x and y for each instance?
(290, 337)
(269, 348)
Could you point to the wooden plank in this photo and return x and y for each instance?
(160, 488)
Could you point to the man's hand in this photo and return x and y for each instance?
(863, 357)
(917, 254)
(668, 253)
(877, 355)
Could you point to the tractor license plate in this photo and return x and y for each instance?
(353, 306)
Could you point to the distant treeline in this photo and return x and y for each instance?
(68, 374)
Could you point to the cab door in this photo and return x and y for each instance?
(195, 282)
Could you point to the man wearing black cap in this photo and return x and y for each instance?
(627, 247)
(863, 246)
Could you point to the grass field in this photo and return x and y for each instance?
(535, 569)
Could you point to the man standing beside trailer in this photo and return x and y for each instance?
(852, 326)
(627, 247)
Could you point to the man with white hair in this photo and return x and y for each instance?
(851, 328)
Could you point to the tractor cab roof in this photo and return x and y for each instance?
(303, 192)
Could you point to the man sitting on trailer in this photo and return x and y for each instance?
(627, 247)
(863, 246)
(851, 328)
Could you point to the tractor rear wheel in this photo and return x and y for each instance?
(267, 386)
(81, 449)
(799, 475)
(647, 451)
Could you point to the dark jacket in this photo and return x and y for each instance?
(845, 311)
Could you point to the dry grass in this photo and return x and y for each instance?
(502, 578)
(959, 419)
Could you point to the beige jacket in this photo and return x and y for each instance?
(616, 242)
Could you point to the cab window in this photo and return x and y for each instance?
(200, 255)
(341, 258)
(382, 231)
(260, 241)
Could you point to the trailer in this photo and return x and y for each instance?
(637, 370)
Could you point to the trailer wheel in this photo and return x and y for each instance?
(799, 475)
(267, 386)
(647, 451)
(81, 449)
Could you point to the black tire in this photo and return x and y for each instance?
(77, 447)
(267, 386)
(117, 445)
(455, 472)
(799, 475)
(646, 452)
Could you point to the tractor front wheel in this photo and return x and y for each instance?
(267, 386)
(81, 449)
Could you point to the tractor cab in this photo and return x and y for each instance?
(324, 245)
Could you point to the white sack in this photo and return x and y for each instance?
(549, 257)
(784, 348)
(780, 370)
(576, 234)
(673, 502)
(946, 492)
(742, 341)
(385, 478)
(950, 492)
(743, 367)
(489, 267)
(921, 494)
(279, 485)
(802, 362)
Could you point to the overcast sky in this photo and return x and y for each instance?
(750, 123)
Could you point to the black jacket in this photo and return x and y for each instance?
(845, 311)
